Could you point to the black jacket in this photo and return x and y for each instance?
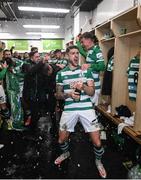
(37, 83)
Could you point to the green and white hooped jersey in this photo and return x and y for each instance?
(94, 56)
(133, 69)
(67, 78)
(59, 61)
(110, 64)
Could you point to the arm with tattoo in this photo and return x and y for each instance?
(60, 93)
(89, 90)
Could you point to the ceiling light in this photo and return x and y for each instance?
(39, 33)
(42, 26)
(40, 9)
(4, 34)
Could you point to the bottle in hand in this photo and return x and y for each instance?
(78, 93)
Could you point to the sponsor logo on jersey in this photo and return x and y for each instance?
(135, 65)
(99, 55)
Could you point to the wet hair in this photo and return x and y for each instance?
(31, 54)
(89, 35)
(70, 48)
(57, 50)
(33, 49)
(6, 50)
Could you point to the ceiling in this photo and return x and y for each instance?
(9, 9)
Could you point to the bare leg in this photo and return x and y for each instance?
(63, 136)
(95, 137)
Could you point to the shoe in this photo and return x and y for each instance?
(62, 157)
(109, 109)
(28, 121)
(1, 146)
(100, 168)
(1, 121)
(9, 125)
(18, 127)
(4, 113)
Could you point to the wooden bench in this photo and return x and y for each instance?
(128, 130)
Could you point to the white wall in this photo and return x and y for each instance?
(69, 27)
(104, 11)
(138, 1)
(76, 23)
(109, 8)
(84, 21)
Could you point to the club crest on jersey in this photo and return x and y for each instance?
(99, 55)
(65, 77)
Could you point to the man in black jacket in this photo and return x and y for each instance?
(39, 88)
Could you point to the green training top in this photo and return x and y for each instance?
(99, 66)
(81, 49)
(2, 73)
(95, 58)
(110, 65)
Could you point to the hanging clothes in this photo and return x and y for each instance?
(14, 87)
(132, 72)
(108, 74)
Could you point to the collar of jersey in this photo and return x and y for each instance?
(137, 58)
(93, 47)
(78, 67)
